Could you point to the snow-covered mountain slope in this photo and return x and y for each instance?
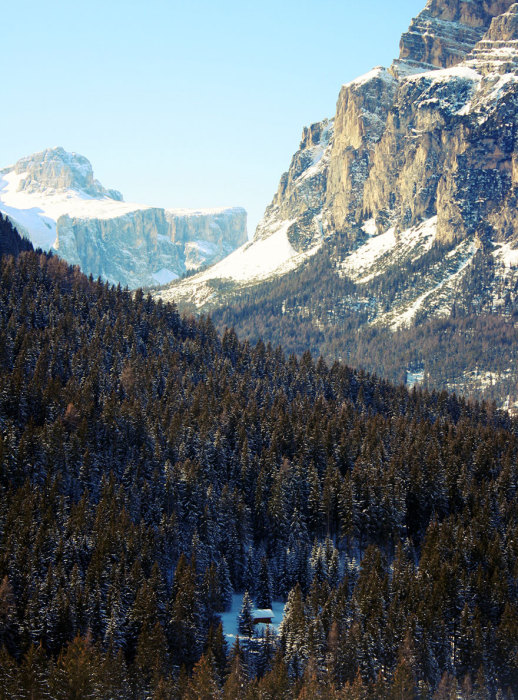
(429, 137)
(53, 199)
(250, 264)
(401, 209)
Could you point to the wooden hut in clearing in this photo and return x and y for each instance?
(262, 616)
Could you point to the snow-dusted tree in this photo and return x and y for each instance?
(263, 596)
(235, 685)
(293, 633)
(225, 585)
(245, 620)
(250, 573)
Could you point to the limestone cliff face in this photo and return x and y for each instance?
(54, 199)
(432, 136)
(129, 249)
(302, 190)
(361, 115)
(444, 32)
(145, 247)
(223, 227)
(450, 144)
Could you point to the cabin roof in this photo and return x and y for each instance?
(266, 612)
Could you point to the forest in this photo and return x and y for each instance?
(150, 467)
(319, 309)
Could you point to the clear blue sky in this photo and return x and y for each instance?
(184, 104)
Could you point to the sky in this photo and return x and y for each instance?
(185, 104)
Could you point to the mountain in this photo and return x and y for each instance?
(392, 240)
(152, 470)
(53, 198)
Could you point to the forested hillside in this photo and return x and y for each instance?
(10, 242)
(471, 350)
(149, 468)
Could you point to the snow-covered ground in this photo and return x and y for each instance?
(164, 276)
(252, 262)
(377, 72)
(440, 296)
(385, 249)
(229, 619)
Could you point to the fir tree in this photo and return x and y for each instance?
(245, 620)
(263, 596)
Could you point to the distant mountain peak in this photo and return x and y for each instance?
(54, 200)
(59, 170)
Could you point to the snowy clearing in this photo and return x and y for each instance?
(229, 619)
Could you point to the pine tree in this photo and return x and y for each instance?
(203, 683)
(75, 676)
(293, 633)
(8, 675)
(33, 675)
(236, 683)
(245, 620)
(276, 683)
(151, 656)
(263, 596)
(217, 645)
(404, 685)
(8, 618)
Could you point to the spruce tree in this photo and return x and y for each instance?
(263, 596)
(245, 620)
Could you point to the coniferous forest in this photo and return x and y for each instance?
(316, 307)
(150, 467)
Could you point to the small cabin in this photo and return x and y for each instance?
(262, 617)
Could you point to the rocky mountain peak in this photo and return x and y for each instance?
(57, 169)
(497, 53)
(505, 26)
(444, 33)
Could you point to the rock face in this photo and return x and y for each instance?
(433, 136)
(426, 137)
(361, 115)
(302, 190)
(55, 169)
(444, 32)
(53, 198)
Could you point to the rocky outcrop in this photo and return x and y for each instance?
(55, 169)
(445, 32)
(133, 249)
(146, 246)
(222, 227)
(54, 199)
(450, 144)
(361, 115)
(432, 135)
(302, 190)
